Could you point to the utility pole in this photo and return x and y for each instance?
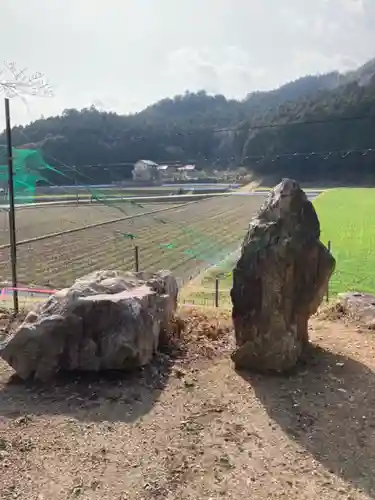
(17, 84)
(12, 218)
(136, 258)
(217, 292)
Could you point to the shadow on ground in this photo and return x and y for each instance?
(112, 396)
(328, 407)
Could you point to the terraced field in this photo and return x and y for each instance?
(184, 240)
(34, 222)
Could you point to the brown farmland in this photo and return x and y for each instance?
(184, 240)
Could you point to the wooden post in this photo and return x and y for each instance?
(136, 258)
(12, 223)
(327, 296)
(217, 292)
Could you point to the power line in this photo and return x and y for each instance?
(190, 232)
(271, 157)
(238, 128)
(310, 122)
(343, 153)
(311, 154)
(243, 128)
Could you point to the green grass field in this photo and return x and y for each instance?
(347, 218)
(202, 290)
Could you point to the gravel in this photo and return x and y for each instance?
(190, 427)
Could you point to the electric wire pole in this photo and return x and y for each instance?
(18, 85)
(12, 218)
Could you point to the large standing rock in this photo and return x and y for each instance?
(107, 320)
(279, 281)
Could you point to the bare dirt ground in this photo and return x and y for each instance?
(190, 427)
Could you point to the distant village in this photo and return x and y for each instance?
(149, 171)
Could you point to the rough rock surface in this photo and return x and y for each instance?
(279, 281)
(360, 306)
(108, 320)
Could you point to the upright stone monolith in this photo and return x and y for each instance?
(279, 281)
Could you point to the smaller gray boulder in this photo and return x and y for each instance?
(360, 306)
(108, 320)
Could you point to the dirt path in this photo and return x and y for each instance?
(195, 429)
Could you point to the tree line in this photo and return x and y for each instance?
(332, 114)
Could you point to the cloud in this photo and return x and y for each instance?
(228, 70)
(132, 54)
(355, 7)
(303, 60)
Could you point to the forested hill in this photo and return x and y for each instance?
(212, 130)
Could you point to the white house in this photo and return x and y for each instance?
(145, 170)
(186, 168)
(162, 168)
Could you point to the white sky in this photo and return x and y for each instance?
(125, 54)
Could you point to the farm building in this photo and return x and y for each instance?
(167, 170)
(185, 171)
(145, 170)
(186, 168)
(175, 171)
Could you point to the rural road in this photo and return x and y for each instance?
(310, 194)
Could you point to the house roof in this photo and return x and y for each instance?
(187, 167)
(149, 163)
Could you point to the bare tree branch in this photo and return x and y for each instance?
(17, 83)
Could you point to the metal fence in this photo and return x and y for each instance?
(214, 292)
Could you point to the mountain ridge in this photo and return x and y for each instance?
(185, 127)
